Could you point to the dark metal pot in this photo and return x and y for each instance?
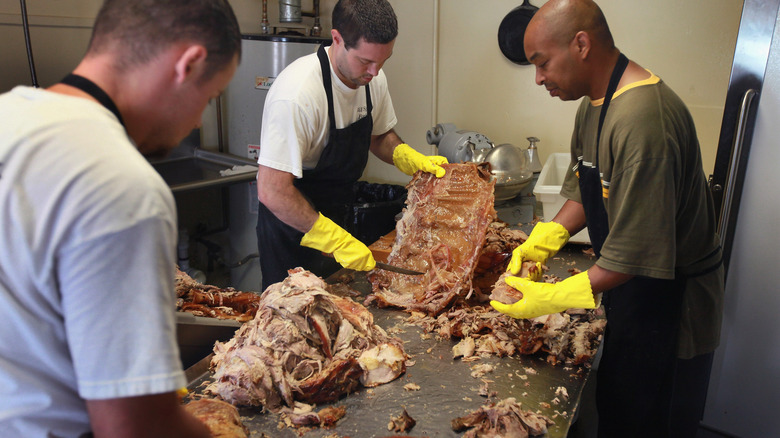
(512, 30)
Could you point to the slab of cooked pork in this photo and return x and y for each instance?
(500, 240)
(304, 344)
(222, 419)
(504, 293)
(505, 418)
(213, 302)
(441, 233)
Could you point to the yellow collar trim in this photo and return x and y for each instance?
(653, 79)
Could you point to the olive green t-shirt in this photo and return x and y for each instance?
(661, 215)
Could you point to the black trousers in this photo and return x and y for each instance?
(642, 389)
(280, 250)
(674, 412)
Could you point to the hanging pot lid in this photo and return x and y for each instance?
(512, 30)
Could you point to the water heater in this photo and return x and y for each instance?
(263, 58)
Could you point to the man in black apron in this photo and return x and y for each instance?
(301, 218)
(87, 263)
(643, 387)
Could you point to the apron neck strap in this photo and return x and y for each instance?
(325, 67)
(95, 91)
(617, 73)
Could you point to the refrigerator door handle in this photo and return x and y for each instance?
(734, 164)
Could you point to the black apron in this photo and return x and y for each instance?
(642, 389)
(640, 342)
(328, 187)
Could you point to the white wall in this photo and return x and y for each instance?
(60, 30)
(446, 66)
(689, 44)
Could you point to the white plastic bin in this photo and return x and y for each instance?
(548, 190)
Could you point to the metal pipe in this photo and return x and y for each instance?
(26, 27)
(315, 10)
(290, 11)
(244, 260)
(264, 25)
(316, 29)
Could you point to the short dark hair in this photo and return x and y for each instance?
(373, 20)
(141, 29)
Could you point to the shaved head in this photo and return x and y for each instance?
(561, 20)
(572, 48)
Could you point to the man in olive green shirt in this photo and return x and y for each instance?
(637, 182)
(659, 208)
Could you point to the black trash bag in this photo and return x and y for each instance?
(373, 213)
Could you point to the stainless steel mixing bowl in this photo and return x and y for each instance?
(509, 166)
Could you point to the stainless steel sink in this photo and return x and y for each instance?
(200, 168)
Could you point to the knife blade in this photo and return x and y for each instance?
(387, 267)
(397, 269)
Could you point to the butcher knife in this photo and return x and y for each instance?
(388, 267)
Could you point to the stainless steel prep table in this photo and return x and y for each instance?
(447, 389)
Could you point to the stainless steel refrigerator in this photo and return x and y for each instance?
(744, 392)
(263, 58)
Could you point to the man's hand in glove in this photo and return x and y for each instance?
(544, 298)
(546, 239)
(328, 237)
(410, 161)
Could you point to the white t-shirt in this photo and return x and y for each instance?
(295, 115)
(86, 266)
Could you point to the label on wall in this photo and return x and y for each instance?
(252, 151)
(263, 82)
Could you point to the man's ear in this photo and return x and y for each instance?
(190, 63)
(581, 44)
(337, 38)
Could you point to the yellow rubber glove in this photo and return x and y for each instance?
(545, 298)
(546, 239)
(410, 161)
(328, 237)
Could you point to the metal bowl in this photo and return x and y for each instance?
(509, 166)
(509, 187)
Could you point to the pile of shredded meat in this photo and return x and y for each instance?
(505, 418)
(441, 233)
(571, 337)
(500, 240)
(449, 231)
(304, 344)
(212, 301)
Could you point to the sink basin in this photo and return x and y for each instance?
(201, 169)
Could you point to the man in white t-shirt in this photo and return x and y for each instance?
(87, 260)
(322, 115)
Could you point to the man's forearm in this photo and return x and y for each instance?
(276, 191)
(603, 279)
(158, 415)
(382, 145)
(571, 216)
